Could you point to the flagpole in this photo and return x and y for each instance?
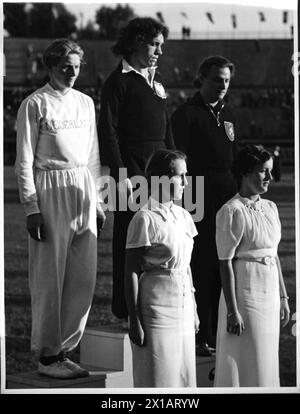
(232, 30)
(52, 20)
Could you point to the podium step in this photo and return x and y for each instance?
(106, 353)
(99, 378)
(108, 347)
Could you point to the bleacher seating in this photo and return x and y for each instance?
(259, 62)
(261, 91)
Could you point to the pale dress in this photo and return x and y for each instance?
(247, 232)
(166, 298)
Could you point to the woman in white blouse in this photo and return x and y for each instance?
(158, 285)
(58, 171)
(253, 298)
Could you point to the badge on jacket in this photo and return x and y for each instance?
(229, 128)
(160, 90)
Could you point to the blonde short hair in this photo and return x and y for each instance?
(59, 49)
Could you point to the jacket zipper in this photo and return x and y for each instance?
(218, 113)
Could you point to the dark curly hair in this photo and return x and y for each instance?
(247, 159)
(139, 30)
(59, 49)
(161, 163)
(207, 63)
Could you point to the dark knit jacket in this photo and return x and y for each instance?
(133, 122)
(197, 132)
(202, 135)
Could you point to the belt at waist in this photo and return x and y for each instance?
(267, 260)
(168, 272)
(165, 272)
(60, 168)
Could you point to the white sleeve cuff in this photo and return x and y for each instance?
(31, 207)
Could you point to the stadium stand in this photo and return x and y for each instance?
(261, 91)
(268, 65)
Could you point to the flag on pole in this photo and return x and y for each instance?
(233, 19)
(285, 17)
(209, 16)
(160, 17)
(261, 17)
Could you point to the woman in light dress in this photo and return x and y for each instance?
(253, 298)
(158, 285)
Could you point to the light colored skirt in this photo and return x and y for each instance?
(168, 357)
(251, 359)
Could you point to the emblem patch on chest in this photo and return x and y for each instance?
(159, 89)
(229, 129)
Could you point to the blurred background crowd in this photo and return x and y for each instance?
(261, 92)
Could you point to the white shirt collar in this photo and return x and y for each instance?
(166, 210)
(126, 68)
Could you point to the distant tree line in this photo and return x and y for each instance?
(48, 20)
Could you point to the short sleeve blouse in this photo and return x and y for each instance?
(247, 229)
(166, 233)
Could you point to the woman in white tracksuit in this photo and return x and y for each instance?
(58, 171)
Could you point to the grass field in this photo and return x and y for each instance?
(17, 300)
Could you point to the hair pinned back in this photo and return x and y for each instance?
(162, 162)
(247, 159)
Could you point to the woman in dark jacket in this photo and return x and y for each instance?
(133, 124)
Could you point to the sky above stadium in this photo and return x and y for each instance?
(195, 15)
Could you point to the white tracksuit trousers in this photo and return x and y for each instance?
(62, 268)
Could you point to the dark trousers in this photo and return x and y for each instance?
(219, 188)
(121, 223)
(207, 282)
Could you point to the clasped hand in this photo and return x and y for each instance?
(284, 313)
(35, 226)
(100, 219)
(235, 324)
(136, 332)
(197, 322)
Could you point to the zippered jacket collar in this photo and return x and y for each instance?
(215, 111)
(198, 100)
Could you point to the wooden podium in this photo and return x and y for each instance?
(109, 348)
(106, 353)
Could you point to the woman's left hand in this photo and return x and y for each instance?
(136, 332)
(197, 322)
(284, 312)
(100, 219)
